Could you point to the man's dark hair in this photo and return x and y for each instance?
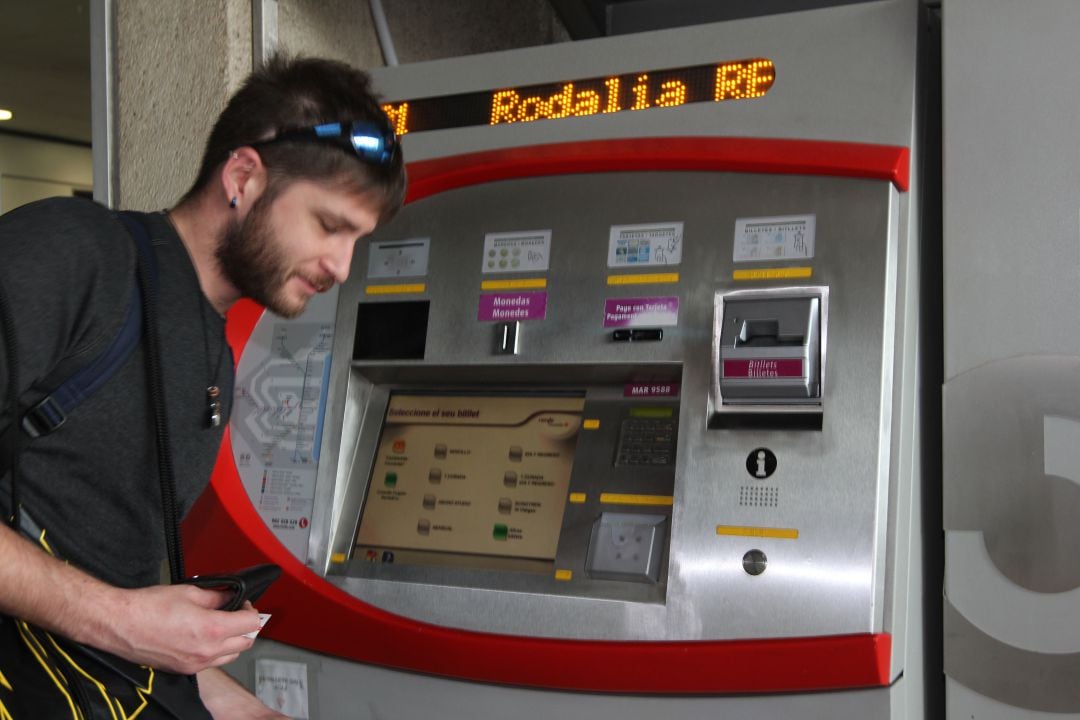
(293, 93)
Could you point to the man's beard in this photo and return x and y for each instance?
(251, 257)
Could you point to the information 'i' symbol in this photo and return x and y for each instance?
(761, 463)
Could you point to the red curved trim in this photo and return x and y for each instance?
(224, 532)
(716, 154)
(242, 319)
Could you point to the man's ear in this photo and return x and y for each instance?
(243, 178)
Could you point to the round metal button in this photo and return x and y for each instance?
(754, 562)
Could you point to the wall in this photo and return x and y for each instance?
(432, 29)
(33, 169)
(1011, 397)
(336, 29)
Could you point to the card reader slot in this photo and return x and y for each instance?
(765, 333)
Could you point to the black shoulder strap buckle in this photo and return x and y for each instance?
(43, 418)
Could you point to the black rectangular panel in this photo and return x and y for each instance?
(391, 330)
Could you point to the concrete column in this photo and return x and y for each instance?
(176, 65)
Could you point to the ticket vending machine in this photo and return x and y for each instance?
(622, 414)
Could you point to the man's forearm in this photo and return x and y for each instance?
(47, 592)
(173, 627)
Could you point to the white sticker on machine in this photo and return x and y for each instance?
(787, 237)
(399, 258)
(283, 686)
(645, 245)
(513, 252)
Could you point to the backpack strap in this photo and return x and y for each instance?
(147, 278)
(51, 411)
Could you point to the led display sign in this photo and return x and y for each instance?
(728, 80)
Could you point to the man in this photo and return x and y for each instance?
(298, 167)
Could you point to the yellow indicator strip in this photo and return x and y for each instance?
(564, 575)
(395, 289)
(578, 498)
(591, 424)
(758, 532)
(522, 284)
(337, 558)
(773, 273)
(622, 499)
(649, 279)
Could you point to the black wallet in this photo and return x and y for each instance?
(246, 584)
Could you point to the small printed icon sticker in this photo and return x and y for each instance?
(761, 463)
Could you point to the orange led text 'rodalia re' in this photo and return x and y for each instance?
(732, 81)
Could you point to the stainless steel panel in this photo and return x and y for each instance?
(103, 100)
(832, 484)
(264, 31)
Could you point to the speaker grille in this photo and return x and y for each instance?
(759, 496)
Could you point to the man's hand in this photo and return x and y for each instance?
(227, 700)
(177, 628)
(171, 627)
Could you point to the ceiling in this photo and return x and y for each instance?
(45, 68)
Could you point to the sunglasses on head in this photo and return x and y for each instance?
(373, 143)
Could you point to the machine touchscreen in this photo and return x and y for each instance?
(470, 480)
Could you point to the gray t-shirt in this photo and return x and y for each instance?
(68, 267)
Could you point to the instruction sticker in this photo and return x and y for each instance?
(789, 237)
(401, 258)
(517, 251)
(283, 686)
(645, 245)
(641, 312)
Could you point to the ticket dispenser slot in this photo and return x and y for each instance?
(768, 354)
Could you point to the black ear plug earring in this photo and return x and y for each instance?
(232, 203)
